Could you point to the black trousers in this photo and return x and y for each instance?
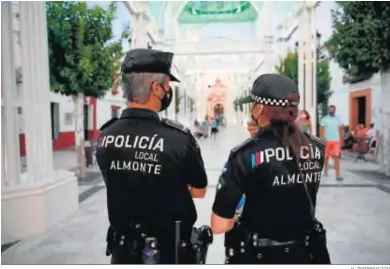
(290, 254)
(122, 255)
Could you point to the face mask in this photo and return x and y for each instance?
(331, 113)
(167, 99)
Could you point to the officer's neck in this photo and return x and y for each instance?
(147, 106)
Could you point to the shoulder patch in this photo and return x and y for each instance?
(176, 125)
(315, 139)
(108, 123)
(242, 145)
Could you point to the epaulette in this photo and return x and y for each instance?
(177, 126)
(315, 139)
(242, 145)
(108, 123)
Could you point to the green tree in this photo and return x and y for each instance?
(323, 84)
(288, 66)
(360, 44)
(82, 57)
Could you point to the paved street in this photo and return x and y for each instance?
(355, 213)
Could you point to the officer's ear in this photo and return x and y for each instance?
(257, 110)
(156, 89)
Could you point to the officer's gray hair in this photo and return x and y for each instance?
(136, 86)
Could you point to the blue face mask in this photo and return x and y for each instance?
(331, 113)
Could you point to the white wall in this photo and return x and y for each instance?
(340, 97)
(103, 109)
(66, 107)
(374, 84)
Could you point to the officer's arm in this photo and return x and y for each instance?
(196, 173)
(229, 193)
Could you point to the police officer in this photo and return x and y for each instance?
(279, 172)
(152, 168)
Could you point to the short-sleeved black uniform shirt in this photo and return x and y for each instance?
(277, 206)
(147, 164)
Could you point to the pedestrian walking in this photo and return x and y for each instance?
(332, 132)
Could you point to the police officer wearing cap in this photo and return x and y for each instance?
(152, 169)
(278, 170)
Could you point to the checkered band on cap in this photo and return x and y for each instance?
(272, 101)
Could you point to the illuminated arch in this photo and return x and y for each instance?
(178, 6)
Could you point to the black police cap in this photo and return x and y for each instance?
(272, 90)
(148, 61)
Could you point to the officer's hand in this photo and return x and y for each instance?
(252, 127)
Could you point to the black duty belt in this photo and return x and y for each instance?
(266, 242)
(135, 231)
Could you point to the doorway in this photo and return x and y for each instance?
(360, 108)
(219, 110)
(55, 120)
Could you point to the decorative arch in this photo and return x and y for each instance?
(178, 6)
